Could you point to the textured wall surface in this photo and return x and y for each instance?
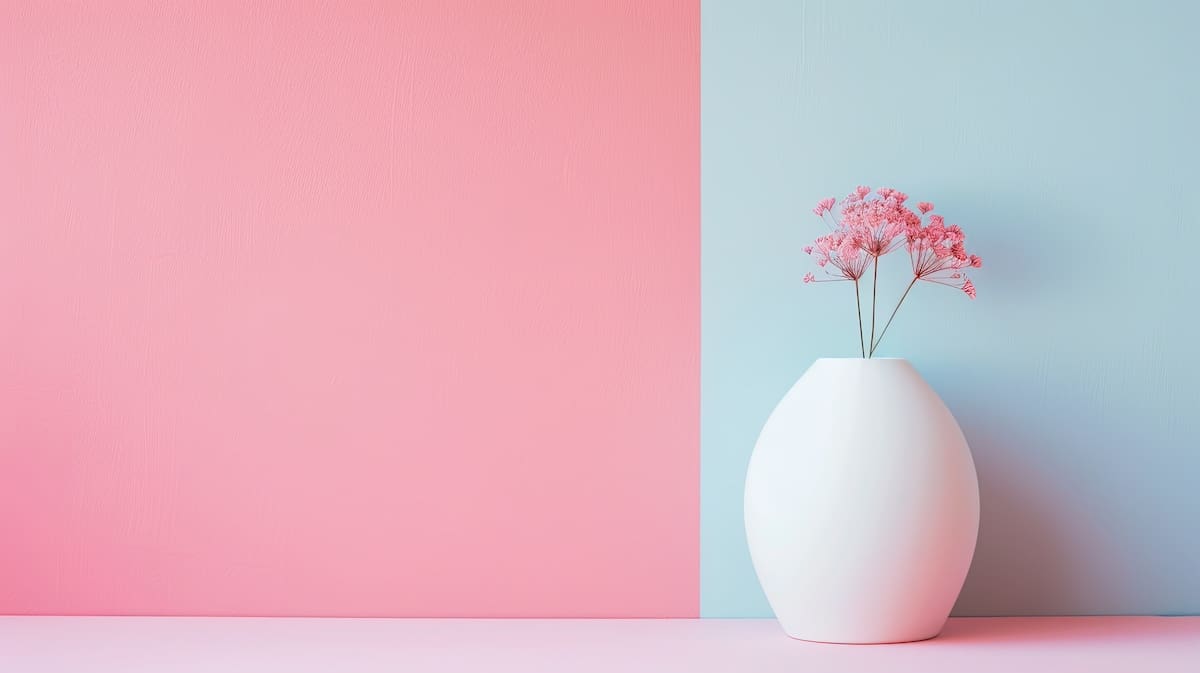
(395, 308)
(349, 308)
(1063, 137)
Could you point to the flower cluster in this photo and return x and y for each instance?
(939, 254)
(879, 222)
(841, 250)
(869, 225)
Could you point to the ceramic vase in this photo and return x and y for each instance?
(861, 505)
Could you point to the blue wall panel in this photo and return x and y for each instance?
(1063, 137)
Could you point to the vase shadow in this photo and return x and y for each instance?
(1063, 630)
(1026, 562)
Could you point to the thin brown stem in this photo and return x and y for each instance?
(874, 294)
(862, 347)
(874, 343)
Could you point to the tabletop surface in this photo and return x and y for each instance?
(298, 645)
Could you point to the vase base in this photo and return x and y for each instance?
(851, 641)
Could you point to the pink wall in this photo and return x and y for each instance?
(356, 309)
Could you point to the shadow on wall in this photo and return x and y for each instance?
(1019, 390)
(1024, 549)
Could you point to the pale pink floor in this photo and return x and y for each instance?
(298, 645)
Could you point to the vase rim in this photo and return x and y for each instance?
(866, 359)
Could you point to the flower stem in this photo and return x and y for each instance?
(858, 304)
(874, 343)
(874, 294)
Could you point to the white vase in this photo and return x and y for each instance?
(862, 505)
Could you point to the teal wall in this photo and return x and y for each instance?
(1063, 137)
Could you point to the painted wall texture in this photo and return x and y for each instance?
(1063, 137)
(349, 308)
(437, 308)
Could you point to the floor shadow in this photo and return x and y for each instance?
(1066, 630)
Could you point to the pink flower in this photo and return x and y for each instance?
(849, 249)
(868, 226)
(842, 250)
(938, 252)
(878, 224)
